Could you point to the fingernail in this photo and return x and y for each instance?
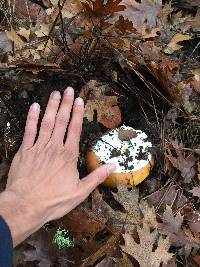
(111, 167)
(69, 91)
(35, 107)
(79, 101)
(55, 95)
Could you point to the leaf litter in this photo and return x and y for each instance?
(132, 62)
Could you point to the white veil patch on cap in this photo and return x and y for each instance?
(127, 155)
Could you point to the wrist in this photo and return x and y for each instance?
(19, 215)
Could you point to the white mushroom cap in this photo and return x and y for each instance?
(128, 154)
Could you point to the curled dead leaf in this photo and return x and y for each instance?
(173, 44)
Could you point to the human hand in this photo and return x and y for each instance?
(43, 182)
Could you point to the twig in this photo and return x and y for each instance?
(194, 49)
(63, 33)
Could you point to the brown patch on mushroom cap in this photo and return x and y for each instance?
(125, 135)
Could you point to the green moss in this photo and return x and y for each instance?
(61, 239)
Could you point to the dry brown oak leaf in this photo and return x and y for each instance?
(139, 13)
(143, 252)
(124, 25)
(101, 8)
(186, 165)
(108, 113)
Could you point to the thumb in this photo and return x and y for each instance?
(96, 177)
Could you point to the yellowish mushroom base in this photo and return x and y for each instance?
(128, 179)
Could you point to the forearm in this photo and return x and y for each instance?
(20, 218)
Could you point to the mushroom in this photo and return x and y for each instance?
(128, 149)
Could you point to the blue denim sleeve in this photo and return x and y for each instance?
(6, 245)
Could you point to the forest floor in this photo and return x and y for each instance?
(134, 63)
